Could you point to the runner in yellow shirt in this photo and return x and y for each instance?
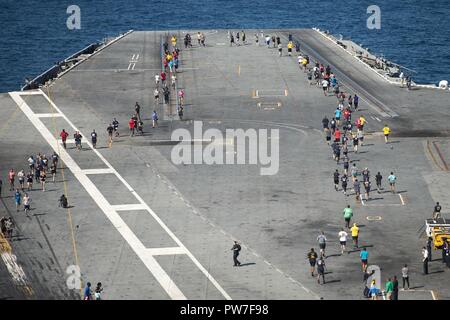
(290, 46)
(355, 234)
(386, 132)
(174, 41)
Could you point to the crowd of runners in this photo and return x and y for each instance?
(344, 133)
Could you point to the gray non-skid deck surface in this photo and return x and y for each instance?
(277, 217)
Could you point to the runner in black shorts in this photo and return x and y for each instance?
(312, 257)
(336, 179)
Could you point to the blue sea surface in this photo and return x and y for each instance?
(34, 35)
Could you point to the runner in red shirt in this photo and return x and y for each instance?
(163, 77)
(131, 125)
(64, 136)
(337, 135)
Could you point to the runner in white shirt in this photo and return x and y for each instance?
(343, 240)
(157, 79)
(325, 87)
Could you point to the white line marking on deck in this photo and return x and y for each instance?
(401, 199)
(47, 115)
(152, 265)
(98, 171)
(30, 93)
(129, 207)
(165, 251)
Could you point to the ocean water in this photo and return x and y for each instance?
(34, 35)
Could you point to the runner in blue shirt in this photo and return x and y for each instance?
(337, 116)
(364, 255)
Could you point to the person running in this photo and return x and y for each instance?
(140, 127)
(337, 135)
(157, 77)
(325, 85)
(156, 95)
(43, 179)
(344, 182)
(360, 136)
(26, 203)
(356, 101)
(312, 258)
(77, 136)
(336, 179)
(322, 243)
(355, 143)
(55, 158)
(321, 270)
(154, 119)
(348, 214)
(364, 255)
(367, 186)
(110, 131)
(63, 201)
(280, 49)
(290, 45)
(31, 163)
(98, 291)
(392, 179)
(132, 126)
(337, 115)
(64, 136)
(354, 172)
(11, 178)
(53, 171)
(137, 111)
(181, 96)
(94, 138)
(333, 125)
(30, 181)
(325, 123)
(327, 135)
(357, 189)
(236, 250)
(365, 174)
(180, 112)
(378, 179)
(405, 277)
(115, 125)
(425, 260)
(21, 178)
(386, 132)
(343, 240)
(87, 293)
(232, 40)
(355, 234)
(174, 81)
(346, 164)
(17, 199)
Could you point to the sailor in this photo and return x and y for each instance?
(437, 211)
(425, 260)
(63, 201)
(236, 249)
(429, 245)
(445, 249)
(94, 138)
